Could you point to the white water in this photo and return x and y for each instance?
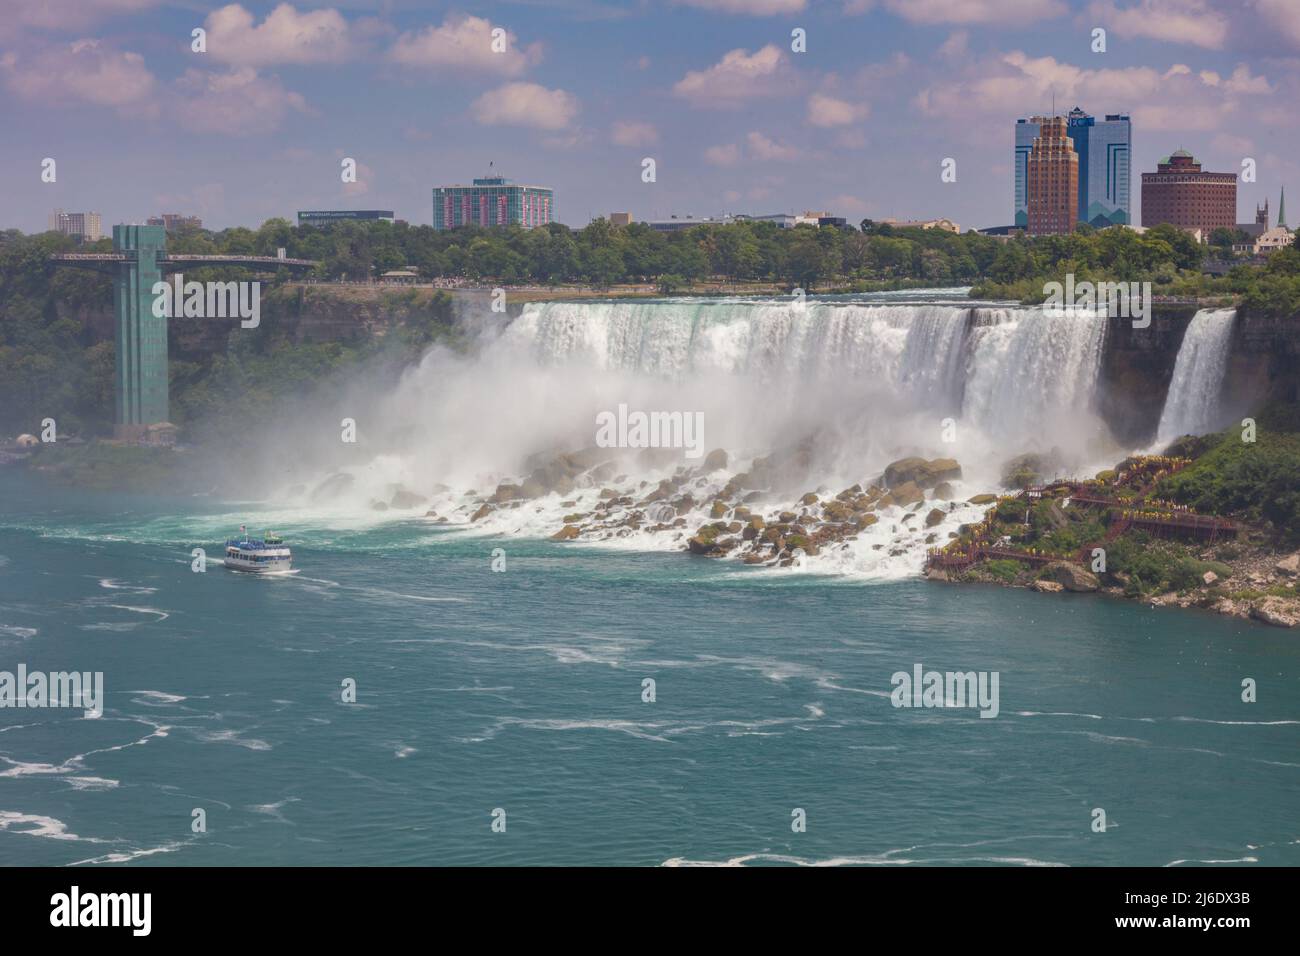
(855, 384)
(1192, 406)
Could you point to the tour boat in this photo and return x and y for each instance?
(251, 554)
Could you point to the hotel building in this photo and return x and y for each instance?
(1104, 148)
(492, 201)
(1181, 194)
(1052, 179)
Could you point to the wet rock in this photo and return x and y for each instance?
(982, 499)
(925, 474)
(809, 499)
(483, 511)
(715, 460)
(719, 509)
(943, 491)
(934, 517)
(378, 506)
(1049, 587)
(567, 533)
(905, 494)
(405, 498)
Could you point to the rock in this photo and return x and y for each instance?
(405, 498)
(715, 460)
(1023, 471)
(483, 511)
(933, 518)
(809, 499)
(1071, 576)
(866, 521)
(786, 517)
(757, 523)
(943, 491)
(532, 488)
(837, 511)
(378, 506)
(607, 493)
(1276, 611)
(937, 574)
(567, 533)
(1209, 577)
(907, 493)
(719, 509)
(1048, 587)
(982, 499)
(926, 474)
(1290, 565)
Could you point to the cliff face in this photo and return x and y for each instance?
(1138, 365)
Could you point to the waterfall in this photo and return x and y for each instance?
(1192, 404)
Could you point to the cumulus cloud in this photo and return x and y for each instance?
(525, 104)
(1175, 99)
(84, 72)
(976, 11)
(726, 155)
(1282, 19)
(1193, 22)
(739, 76)
(826, 111)
(633, 133)
(285, 36)
(64, 14)
(238, 102)
(763, 148)
(464, 43)
(758, 8)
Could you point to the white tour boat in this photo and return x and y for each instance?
(251, 554)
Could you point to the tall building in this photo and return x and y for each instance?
(492, 201)
(1180, 193)
(85, 225)
(175, 222)
(323, 217)
(1104, 149)
(1052, 179)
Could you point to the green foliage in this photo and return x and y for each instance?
(1003, 569)
(1257, 480)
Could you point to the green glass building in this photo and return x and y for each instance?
(141, 336)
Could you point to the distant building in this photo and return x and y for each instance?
(1181, 194)
(620, 218)
(678, 223)
(1279, 237)
(83, 225)
(323, 217)
(1052, 179)
(1104, 149)
(492, 201)
(946, 225)
(175, 222)
(1260, 226)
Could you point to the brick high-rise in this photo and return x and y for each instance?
(1052, 179)
(1181, 194)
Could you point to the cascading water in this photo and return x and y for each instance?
(833, 389)
(1192, 404)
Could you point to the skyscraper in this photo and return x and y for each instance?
(1052, 179)
(492, 201)
(85, 225)
(1104, 149)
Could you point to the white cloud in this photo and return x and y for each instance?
(727, 155)
(634, 133)
(828, 111)
(737, 77)
(761, 147)
(955, 46)
(1282, 17)
(84, 72)
(238, 102)
(525, 104)
(464, 43)
(1193, 22)
(976, 11)
(64, 14)
(757, 8)
(1176, 99)
(285, 36)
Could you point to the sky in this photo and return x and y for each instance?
(578, 93)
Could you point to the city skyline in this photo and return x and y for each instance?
(583, 92)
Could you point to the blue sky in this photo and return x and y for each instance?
(736, 120)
